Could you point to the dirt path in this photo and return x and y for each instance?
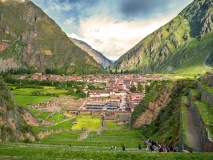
(191, 131)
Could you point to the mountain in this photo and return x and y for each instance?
(184, 45)
(15, 121)
(99, 57)
(30, 40)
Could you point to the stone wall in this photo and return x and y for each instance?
(208, 78)
(205, 95)
(207, 143)
(182, 144)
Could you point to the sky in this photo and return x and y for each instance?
(111, 26)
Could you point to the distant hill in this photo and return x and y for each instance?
(99, 57)
(15, 122)
(184, 45)
(30, 40)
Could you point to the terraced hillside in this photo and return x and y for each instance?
(197, 116)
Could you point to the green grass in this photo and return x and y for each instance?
(206, 112)
(195, 92)
(23, 100)
(34, 112)
(53, 90)
(110, 125)
(183, 120)
(87, 122)
(22, 91)
(64, 138)
(206, 87)
(44, 151)
(130, 138)
(66, 125)
(175, 77)
(24, 96)
(46, 90)
(43, 115)
(58, 117)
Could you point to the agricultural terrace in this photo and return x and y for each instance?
(87, 122)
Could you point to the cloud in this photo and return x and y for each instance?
(54, 5)
(147, 9)
(111, 26)
(69, 21)
(114, 39)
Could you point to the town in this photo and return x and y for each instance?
(115, 100)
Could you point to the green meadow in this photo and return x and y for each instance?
(49, 151)
(87, 122)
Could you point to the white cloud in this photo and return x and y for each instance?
(114, 39)
(102, 24)
(59, 7)
(52, 6)
(69, 21)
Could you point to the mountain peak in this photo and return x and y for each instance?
(32, 40)
(183, 45)
(99, 57)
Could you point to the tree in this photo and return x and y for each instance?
(133, 88)
(81, 94)
(70, 91)
(140, 87)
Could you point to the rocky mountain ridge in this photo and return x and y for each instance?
(31, 40)
(177, 47)
(99, 57)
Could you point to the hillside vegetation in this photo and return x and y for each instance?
(32, 41)
(185, 120)
(184, 45)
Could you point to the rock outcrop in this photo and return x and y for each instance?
(153, 109)
(15, 122)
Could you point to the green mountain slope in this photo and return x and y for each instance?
(99, 57)
(184, 45)
(30, 39)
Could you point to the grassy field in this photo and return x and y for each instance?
(87, 122)
(66, 125)
(29, 96)
(34, 112)
(43, 115)
(110, 125)
(29, 100)
(129, 138)
(58, 117)
(175, 77)
(44, 151)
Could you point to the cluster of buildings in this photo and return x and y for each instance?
(116, 95)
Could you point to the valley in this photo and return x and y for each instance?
(72, 124)
(62, 99)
